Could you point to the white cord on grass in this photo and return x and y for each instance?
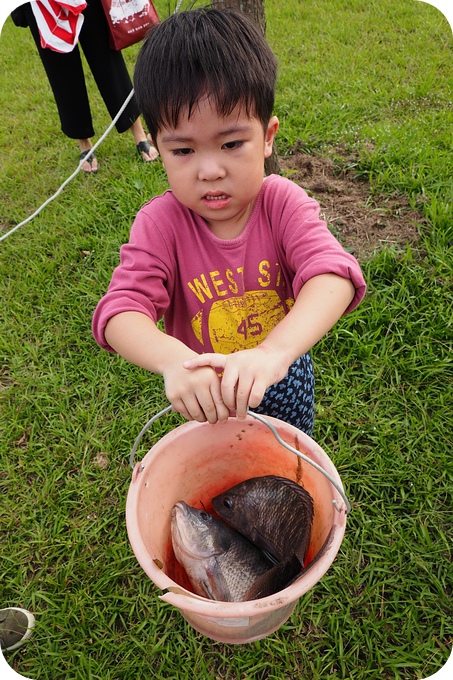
(87, 157)
(83, 160)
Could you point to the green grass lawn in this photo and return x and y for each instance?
(374, 79)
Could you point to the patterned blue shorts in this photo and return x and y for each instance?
(293, 398)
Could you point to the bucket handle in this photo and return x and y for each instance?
(276, 435)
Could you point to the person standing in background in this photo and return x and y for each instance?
(66, 77)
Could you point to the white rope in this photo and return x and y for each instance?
(87, 157)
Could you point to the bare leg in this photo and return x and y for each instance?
(90, 165)
(139, 136)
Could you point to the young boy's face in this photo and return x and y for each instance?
(215, 165)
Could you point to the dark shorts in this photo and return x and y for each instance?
(293, 398)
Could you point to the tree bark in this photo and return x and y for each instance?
(254, 10)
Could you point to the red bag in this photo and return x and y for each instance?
(129, 21)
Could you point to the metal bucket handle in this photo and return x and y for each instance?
(276, 435)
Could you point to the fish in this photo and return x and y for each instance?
(273, 512)
(220, 563)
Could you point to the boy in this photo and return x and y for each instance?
(241, 268)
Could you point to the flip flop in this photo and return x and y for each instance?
(90, 160)
(145, 147)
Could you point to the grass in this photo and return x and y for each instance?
(369, 79)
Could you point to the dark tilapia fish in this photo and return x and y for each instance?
(275, 513)
(221, 564)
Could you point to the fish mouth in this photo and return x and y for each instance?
(184, 533)
(180, 506)
(179, 537)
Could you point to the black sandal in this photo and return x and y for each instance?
(145, 147)
(89, 160)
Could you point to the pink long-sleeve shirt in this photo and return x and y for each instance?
(219, 295)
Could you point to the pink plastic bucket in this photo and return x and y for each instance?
(197, 461)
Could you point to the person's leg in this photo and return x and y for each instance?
(112, 77)
(66, 78)
(15, 627)
(107, 66)
(145, 148)
(292, 399)
(90, 162)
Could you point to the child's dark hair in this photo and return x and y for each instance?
(204, 52)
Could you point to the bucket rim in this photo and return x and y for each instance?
(267, 421)
(178, 596)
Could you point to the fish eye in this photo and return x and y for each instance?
(205, 516)
(228, 503)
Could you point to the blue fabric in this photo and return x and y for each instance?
(293, 398)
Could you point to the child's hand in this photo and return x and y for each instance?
(246, 375)
(196, 394)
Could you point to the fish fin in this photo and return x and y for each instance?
(302, 550)
(214, 585)
(220, 588)
(266, 546)
(301, 491)
(206, 586)
(269, 556)
(275, 579)
(316, 558)
(325, 546)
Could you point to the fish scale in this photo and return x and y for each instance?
(241, 565)
(274, 512)
(267, 513)
(221, 564)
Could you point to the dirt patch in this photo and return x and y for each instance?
(363, 222)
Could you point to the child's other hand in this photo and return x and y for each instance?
(246, 375)
(196, 394)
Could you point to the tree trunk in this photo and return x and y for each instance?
(254, 10)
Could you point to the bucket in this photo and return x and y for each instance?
(195, 462)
